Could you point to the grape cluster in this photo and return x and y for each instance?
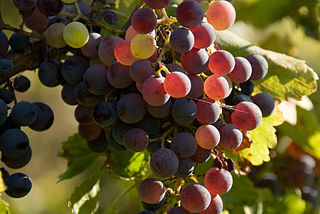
(163, 86)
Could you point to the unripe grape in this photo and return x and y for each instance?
(76, 34)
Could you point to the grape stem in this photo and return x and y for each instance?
(4, 26)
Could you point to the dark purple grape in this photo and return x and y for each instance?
(201, 155)
(24, 113)
(178, 210)
(18, 185)
(272, 182)
(14, 143)
(136, 140)
(95, 79)
(259, 66)
(230, 136)
(83, 115)
(157, 4)
(104, 114)
(150, 124)
(90, 50)
(140, 70)
(89, 132)
(4, 44)
(311, 194)
(6, 95)
(73, 69)
(184, 111)
(19, 43)
(17, 162)
(118, 75)
(50, 72)
(247, 87)
(99, 144)
(144, 20)
(164, 163)
(106, 49)
(50, 7)
(131, 108)
(265, 102)
(114, 145)
(3, 112)
(110, 17)
(195, 61)
(84, 97)
(67, 94)
(21, 83)
(186, 168)
(25, 5)
(174, 67)
(190, 14)
(44, 119)
(181, 40)
(162, 111)
(240, 98)
(184, 145)
(196, 86)
(119, 130)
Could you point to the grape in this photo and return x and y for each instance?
(195, 61)
(131, 108)
(201, 155)
(114, 145)
(18, 162)
(310, 194)
(24, 113)
(149, 124)
(247, 116)
(73, 69)
(196, 86)
(182, 40)
(21, 84)
(221, 15)
(83, 115)
(6, 95)
(18, 185)
(272, 182)
(184, 111)
(89, 132)
(177, 84)
(157, 4)
(216, 87)
(153, 207)
(25, 5)
(106, 49)
(259, 66)
(68, 1)
(143, 20)
(54, 35)
(3, 112)
(190, 14)
(50, 7)
(184, 145)
(99, 144)
(207, 136)
(146, 212)
(204, 35)
(136, 140)
(67, 94)
(208, 111)
(14, 143)
(110, 17)
(118, 75)
(242, 70)
(221, 62)
(84, 97)
(19, 43)
(50, 72)
(230, 136)
(247, 87)
(265, 102)
(44, 117)
(195, 198)
(153, 91)
(143, 46)
(123, 53)
(90, 50)
(36, 21)
(140, 70)
(6, 68)
(104, 114)
(9, 124)
(119, 130)
(174, 67)
(178, 210)
(95, 80)
(4, 44)
(240, 98)
(164, 162)
(131, 33)
(185, 169)
(139, 86)
(218, 181)
(161, 111)
(76, 34)
(215, 207)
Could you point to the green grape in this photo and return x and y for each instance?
(68, 1)
(143, 46)
(76, 34)
(54, 35)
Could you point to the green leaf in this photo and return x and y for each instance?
(263, 138)
(4, 209)
(10, 13)
(126, 6)
(287, 76)
(90, 205)
(128, 165)
(79, 156)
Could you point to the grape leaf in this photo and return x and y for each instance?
(287, 76)
(263, 138)
(10, 14)
(79, 156)
(90, 205)
(4, 209)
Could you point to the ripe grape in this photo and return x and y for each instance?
(50, 7)
(195, 198)
(153, 91)
(21, 83)
(215, 207)
(118, 75)
(73, 69)
(207, 136)
(4, 44)
(151, 191)
(54, 35)
(95, 79)
(90, 50)
(106, 49)
(184, 145)
(190, 14)
(195, 61)
(196, 86)
(123, 53)
(157, 4)
(131, 33)
(3, 112)
(265, 102)
(7, 96)
(247, 87)
(119, 130)
(221, 62)
(204, 35)
(131, 108)
(17, 162)
(76, 34)
(114, 145)
(221, 15)
(67, 94)
(216, 87)
(24, 113)
(99, 144)
(18, 185)
(230, 136)
(25, 4)
(208, 111)
(247, 116)
(184, 111)
(14, 143)
(259, 66)
(218, 181)
(89, 132)
(186, 168)
(83, 115)
(44, 117)
(161, 111)
(201, 155)
(242, 70)
(140, 70)
(84, 97)
(110, 17)
(149, 124)
(177, 84)
(104, 114)
(144, 20)
(240, 98)
(181, 40)
(164, 162)
(19, 43)
(143, 46)
(136, 140)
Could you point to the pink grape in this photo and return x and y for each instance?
(247, 116)
(177, 84)
(241, 71)
(218, 181)
(153, 91)
(221, 15)
(151, 191)
(196, 86)
(216, 87)
(208, 111)
(90, 50)
(144, 20)
(207, 136)
(195, 61)
(123, 53)
(189, 14)
(106, 49)
(215, 207)
(195, 198)
(221, 62)
(204, 35)
(230, 136)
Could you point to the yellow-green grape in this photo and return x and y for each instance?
(68, 1)
(143, 46)
(76, 34)
(54, 35)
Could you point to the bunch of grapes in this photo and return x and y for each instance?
(163, 86)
